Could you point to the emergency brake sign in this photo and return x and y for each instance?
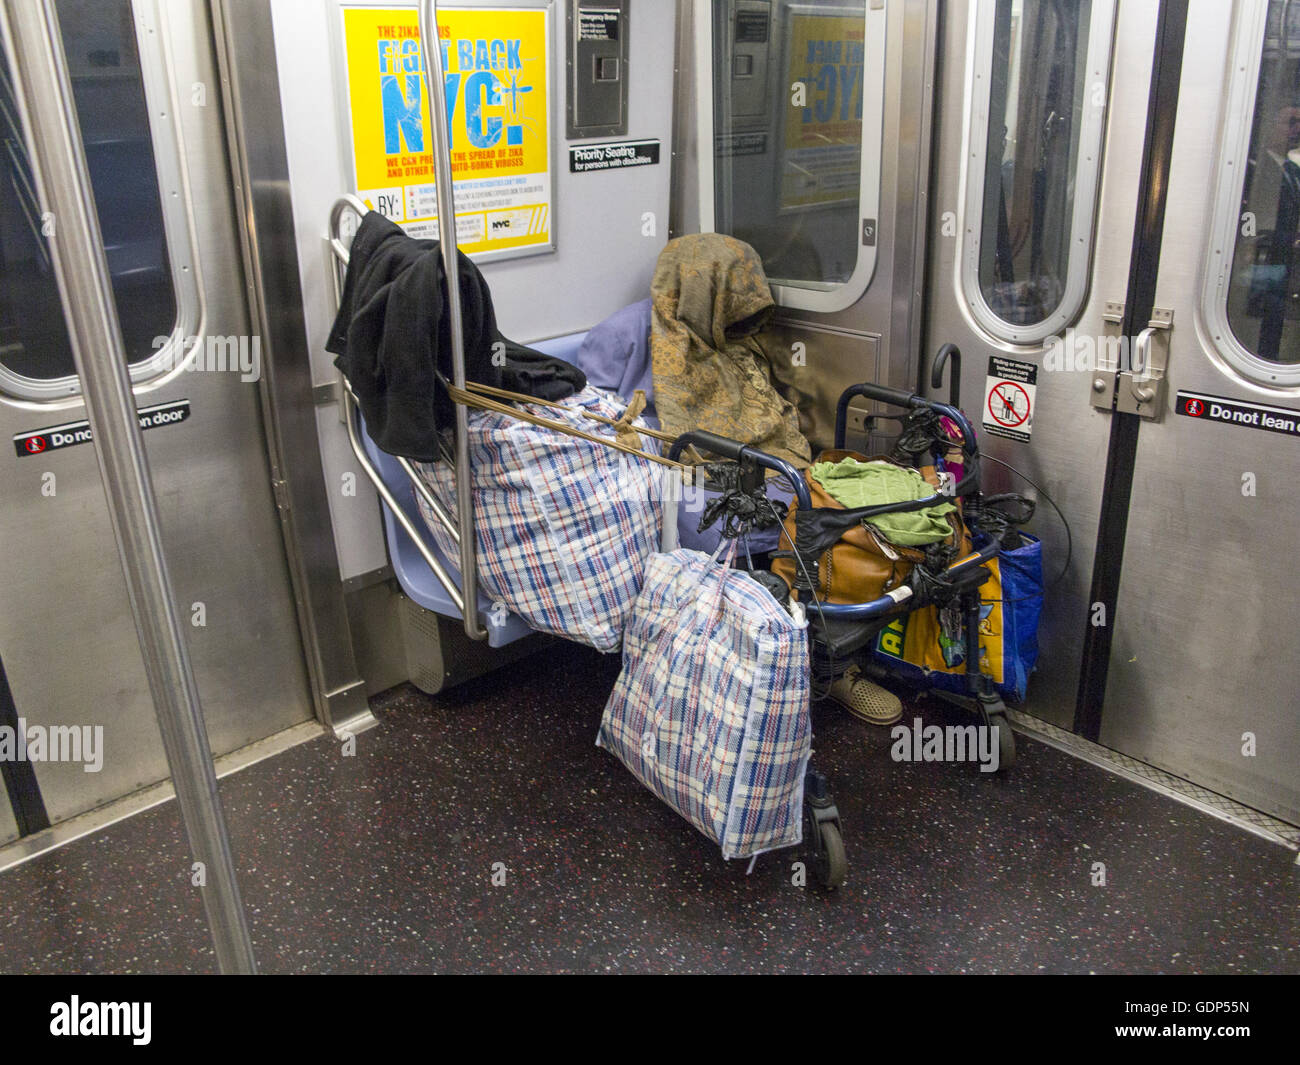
(1009, 392)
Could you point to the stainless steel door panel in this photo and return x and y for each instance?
(1207, 618)
(65, 626)
(837, 360)
(8, 827)
(1066, 454)
(1205, 640)
(69, 641)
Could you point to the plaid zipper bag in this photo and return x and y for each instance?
(564, 526)
(710, 711)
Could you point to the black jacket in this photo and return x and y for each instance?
(392, 339)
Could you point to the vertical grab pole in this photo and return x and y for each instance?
(30, 29)
(435, 82)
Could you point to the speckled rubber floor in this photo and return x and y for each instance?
(384, 861)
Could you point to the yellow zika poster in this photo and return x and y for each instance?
(821, 159)
(497, 86)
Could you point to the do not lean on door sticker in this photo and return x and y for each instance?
(1009, 398)
(497, 82)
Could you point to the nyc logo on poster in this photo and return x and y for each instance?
(497, 88)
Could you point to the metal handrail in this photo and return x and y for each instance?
(432, 560)
(340, 258)
(435, 81)
(341, 206)
(466, 596)
(33, 45)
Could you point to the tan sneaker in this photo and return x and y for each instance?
(865, 700)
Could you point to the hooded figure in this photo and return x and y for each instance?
(709, 299)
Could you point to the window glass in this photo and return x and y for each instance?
(788, 171)
(1036, 100)
(104, 65)
(1264, 291)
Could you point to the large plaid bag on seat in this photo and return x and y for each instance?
(710, 711)
(565, 526)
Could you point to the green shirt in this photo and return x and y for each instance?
(855, 484)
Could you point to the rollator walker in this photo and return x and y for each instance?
(838, 631)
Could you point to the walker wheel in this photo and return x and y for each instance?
(830, 863)
(1006, 741)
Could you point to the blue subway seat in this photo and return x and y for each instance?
(413, 574)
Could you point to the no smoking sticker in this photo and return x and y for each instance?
(1009, 398)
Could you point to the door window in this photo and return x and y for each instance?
(121, 137)
(795, 124)
(1038, 97)
(1253, 281)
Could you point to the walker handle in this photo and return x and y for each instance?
(734, 449)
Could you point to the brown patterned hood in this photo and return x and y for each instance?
(710, 300)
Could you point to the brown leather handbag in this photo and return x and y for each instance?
(862, 565)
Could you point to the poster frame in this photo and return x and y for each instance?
(343, 100)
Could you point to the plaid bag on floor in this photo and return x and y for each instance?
(565, 526)
(710, 711)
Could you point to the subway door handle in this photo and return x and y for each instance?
(1142, 358)
(1141, 384)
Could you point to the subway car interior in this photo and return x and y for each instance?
(822, 507)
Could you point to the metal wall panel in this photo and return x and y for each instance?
(602, 259)
(246, 51)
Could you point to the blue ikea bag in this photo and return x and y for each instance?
(928, 649)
